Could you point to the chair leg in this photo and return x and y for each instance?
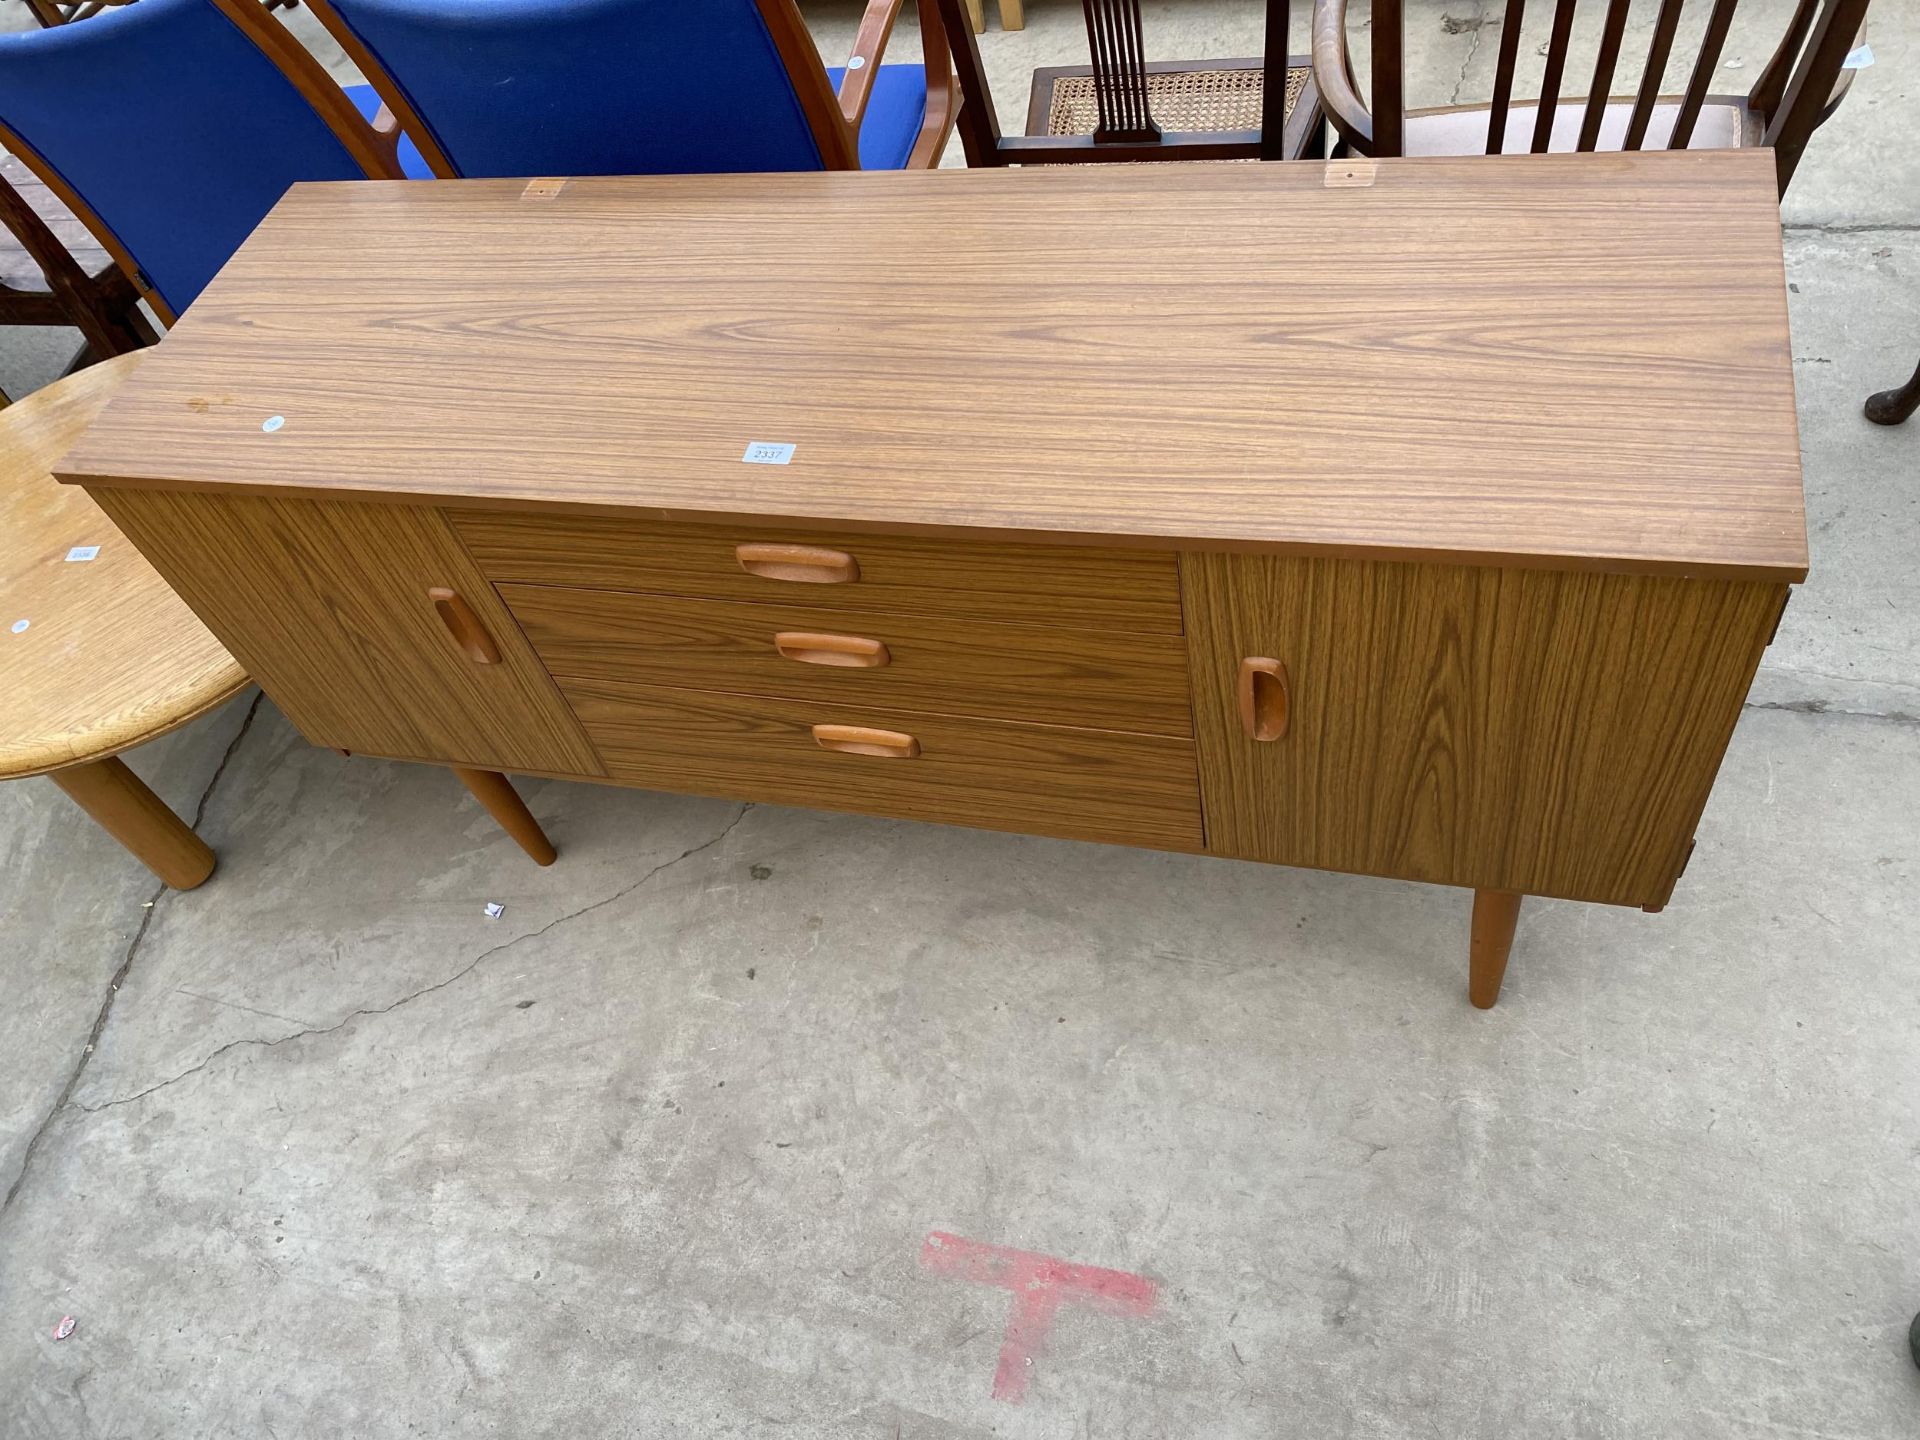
(977, 13)
(1891, 407)
(1013, 15)
(139, 819)
(503, 802)
(1495, 913)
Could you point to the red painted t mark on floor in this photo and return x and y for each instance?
(1040, 1285)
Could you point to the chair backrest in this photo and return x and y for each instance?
(171, 134)
(1126, 129)
(598, 87)
(1796, 89)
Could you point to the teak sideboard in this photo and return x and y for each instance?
(1419, 518)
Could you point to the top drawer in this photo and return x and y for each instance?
(1031, 584)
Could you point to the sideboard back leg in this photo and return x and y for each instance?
(1495, 913)
(503, 802)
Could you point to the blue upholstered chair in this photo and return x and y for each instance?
(644, 87)
(171, 127)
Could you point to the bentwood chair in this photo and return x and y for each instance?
(1123, 107)
(168, 131)
(1892, 407)
(1802, 84)
(643, 87)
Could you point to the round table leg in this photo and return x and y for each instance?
(127, 810)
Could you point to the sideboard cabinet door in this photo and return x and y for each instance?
(369, 625)
(1549, 732)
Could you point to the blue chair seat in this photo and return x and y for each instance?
(895, 111)
(367, 100)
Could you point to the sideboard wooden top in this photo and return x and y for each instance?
(1579, 360)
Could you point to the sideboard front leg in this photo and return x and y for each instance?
(503, 802)
(1495, 913)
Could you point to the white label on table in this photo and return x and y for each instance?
(20, 625)
(273, 423)
(1858, 58)
(82, 552)
(767, 452)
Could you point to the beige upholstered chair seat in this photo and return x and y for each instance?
(1722, 125)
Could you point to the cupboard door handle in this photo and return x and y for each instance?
(1264, 698)
(807, 564)
(848, 650)
(860, 740)
(465, 627)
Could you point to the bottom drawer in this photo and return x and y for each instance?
(1037, 779)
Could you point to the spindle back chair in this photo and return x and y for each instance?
(1802, 84)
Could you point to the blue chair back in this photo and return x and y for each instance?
(170, 126)
(595, 87)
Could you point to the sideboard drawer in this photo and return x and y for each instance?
(1102, 679)
(1025, 584)
(1043, 779)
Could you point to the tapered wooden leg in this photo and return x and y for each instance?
(1891, 407)
(126, 809)
(1495, 913)
(503, 802)
(1013, 14)
(977, 14)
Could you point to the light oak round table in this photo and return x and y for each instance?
(98, 654)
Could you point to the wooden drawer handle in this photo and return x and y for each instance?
(1264, 698)
(859, 740)
(465, 627)
(849, 650)
(807, 564)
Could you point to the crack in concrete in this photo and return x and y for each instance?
(1476, 27)
(149, 910)
(458, 975)
(1865, 228)
(1822, 707)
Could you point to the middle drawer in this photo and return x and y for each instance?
(1098, 680)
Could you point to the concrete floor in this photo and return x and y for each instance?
(320, 1150)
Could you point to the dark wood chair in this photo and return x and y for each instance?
(1892, 407)
(1123, 107)
(53, 271)
(1802, 84)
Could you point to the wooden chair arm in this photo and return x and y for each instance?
(869, 44)
(943, 89)
(1333, 76)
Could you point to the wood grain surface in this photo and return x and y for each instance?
(1037, 779)
(1103, 679)
(1025, 584)
(1553, 734)
(108, 656)
(327, 605)
(1576, 360)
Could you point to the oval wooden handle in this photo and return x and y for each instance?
(1264, 699)
(806, 564)
(860, 740)
(465, 627)
(847, 650)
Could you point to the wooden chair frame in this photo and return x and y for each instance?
(1128, 132)
(105, 309)
(376, 151)
(1802, 84)
(833, 118)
